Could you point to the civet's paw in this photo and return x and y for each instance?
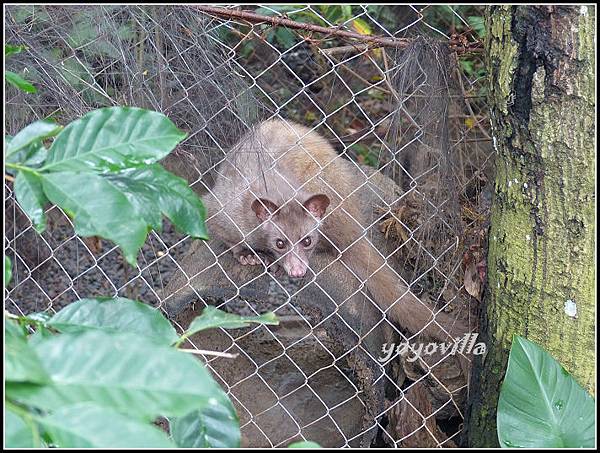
(248, 259)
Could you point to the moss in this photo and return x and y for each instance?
(541, 239)
(503, 50)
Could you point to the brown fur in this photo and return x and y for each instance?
(288, 163)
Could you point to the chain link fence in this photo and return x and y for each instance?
(409, 114)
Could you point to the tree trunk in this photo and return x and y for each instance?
(541, 240)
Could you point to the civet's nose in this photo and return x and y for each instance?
(297, 272)
(294, 266)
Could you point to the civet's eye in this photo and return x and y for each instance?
(280, 244)
(306, 241)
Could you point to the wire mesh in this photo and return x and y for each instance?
(411, 123)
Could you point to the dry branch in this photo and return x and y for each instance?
(373, 41)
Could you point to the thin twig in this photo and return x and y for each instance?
(376, 41)
(386, 75)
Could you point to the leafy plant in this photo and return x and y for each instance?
(102, 171)
(540, 404)
(100, 371)
(12, 77)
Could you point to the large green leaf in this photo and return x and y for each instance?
(124, 372)
(152, 190)
(88, 426)
(20, 360)
(212, 317)
(123, 207)
(19, 82)
(31, 198)
(213, 427)
(540, 404)
(113, 138)
(114, 315)
(16, 432)
(34, 133)
(98, 208)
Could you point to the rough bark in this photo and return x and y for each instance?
(541, 241)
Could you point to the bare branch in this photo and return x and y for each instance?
(373, 41)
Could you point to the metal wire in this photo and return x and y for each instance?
(414, 115)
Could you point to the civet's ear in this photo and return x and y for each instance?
(317, 205)
(263, 208)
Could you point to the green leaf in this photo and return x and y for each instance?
(88, 426)
(347, 12)
(304, 444)
(123, 207)
(19, 82)
(124, 372)
(213, 427)
(285, 37)
(330, 12)
(9, 49)
(153, 190)
(33, 133)
(478, 24)
(98, 208)
(76, 72)
(113, 138)
(20, 360)
(114, 315)
(212, 317)
(31, 198)
(16, 432)
(31, 156)
(541, 405)
(7, 271)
